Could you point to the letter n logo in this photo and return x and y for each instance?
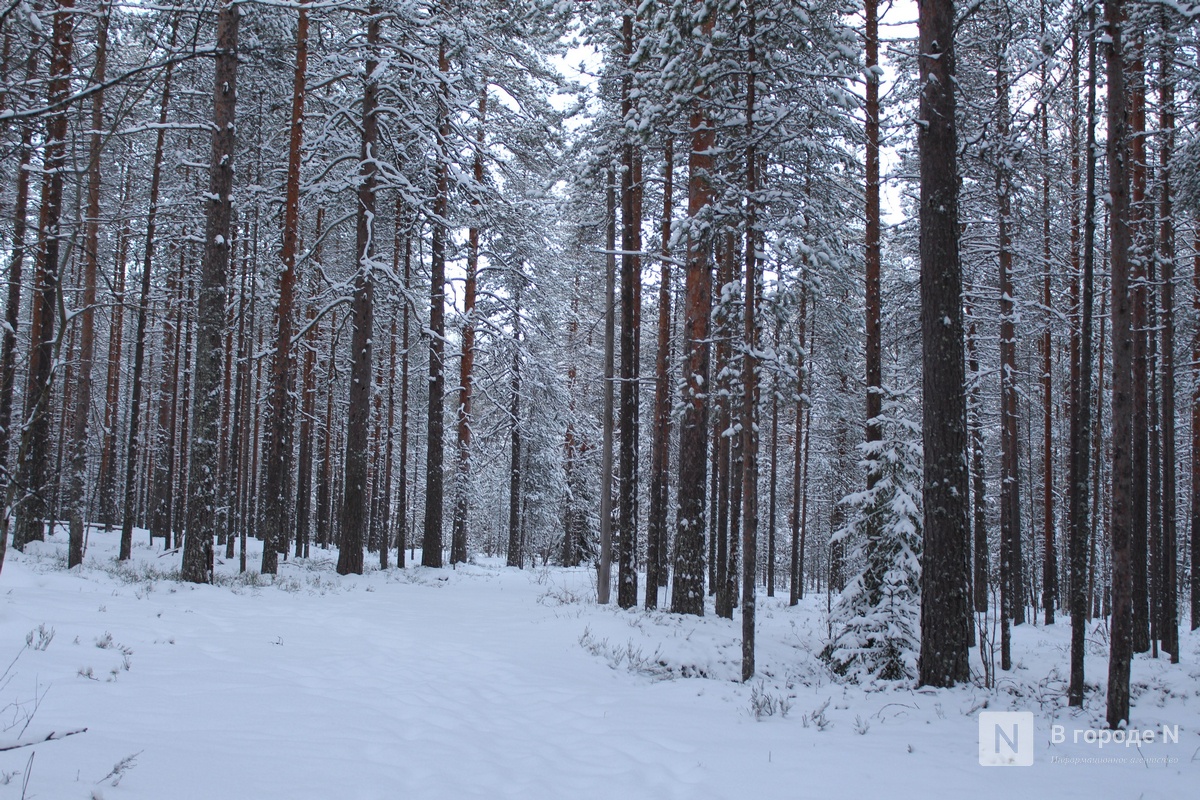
(1006, 738)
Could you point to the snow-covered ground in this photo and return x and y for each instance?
(487, 682)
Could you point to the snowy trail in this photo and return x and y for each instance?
(474, 684)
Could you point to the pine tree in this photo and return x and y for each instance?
(877, 616)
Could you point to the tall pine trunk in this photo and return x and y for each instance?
(458, 538)
(749, 474)
(687, 592)
(76, 483)
(431, 553)
(133, 445)
(660, 446)
(276, 519)
(1168, 623)
(210, 315)
(12, 312)
(943, 659)
(354, 517)
(1081, 397)
(33, 455)
(1121, 639)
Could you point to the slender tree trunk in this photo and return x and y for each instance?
(1195, 466)
(687, 592)
(749, 475)
(12, 313)
(402, 490)
(660, 448)
(1169, 589)
(978, 478)
(1012, 601)
(202, 483)
(872, 578)
(276, 519)
(631, 287)
(1139, 260)
(1081, 400)
(355, 497)
(162, 487)
(1123, 405)
(33, 455)
(799, 490)
(943, 660)
(516, 555)
(139, 347)
(76, 484)
(325, 488)
(772, 501)
(604, 563)
(574, 524)
(1050, 559)
(722, 442)
(458, 539)
(107, 474)
(431, 554)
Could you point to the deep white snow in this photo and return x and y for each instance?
(488, 682)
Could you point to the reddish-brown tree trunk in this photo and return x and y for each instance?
(277, 519)
(12, 313)
(687, 592)
(76, 482)
(33, 455)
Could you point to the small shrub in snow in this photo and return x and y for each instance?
(817, 717)
(766, 704)
(40, 637)
(120, 768)
(104, 642)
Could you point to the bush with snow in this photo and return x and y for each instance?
(876, 621)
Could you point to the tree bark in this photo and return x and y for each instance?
(660, 446)
(687, 593)
(631, 292)
(1012, 606)
(402, 489)
(277, 517)
(33, 455)
(12, 313)
(749, 474)
(76, 484)
(206, 411)
(354, 517)
(943, 660)
(431, 553)
(604, 562)
(458, 539)
(1081, 399)
(516, 555)
(1123, 405)
(1168, 624)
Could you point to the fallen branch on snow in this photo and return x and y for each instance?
(50, 737)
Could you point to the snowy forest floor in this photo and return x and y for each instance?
(487, 682)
